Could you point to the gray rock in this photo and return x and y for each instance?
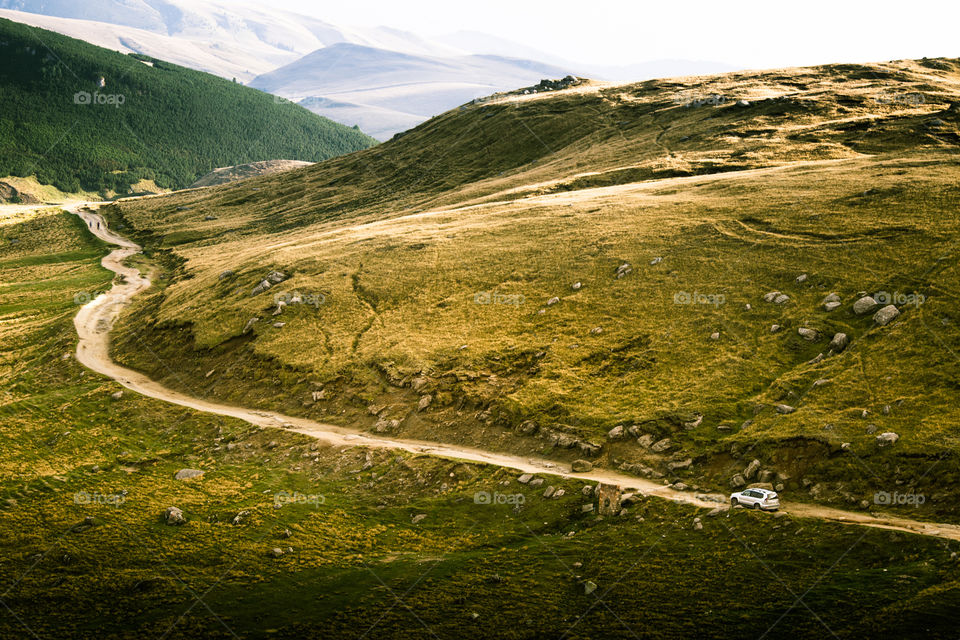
(839, 342)
(808, 334)
(781, 299)
(549, 491)
(581, 466)
(617, 433)
(801, 278)
(424, 402)
(527, 427)
(656, 261)
(260, 288)
(774, 328)
(276, 552)
(715, 336)
(279, 325)
(558, 493)
(765, 476)
(552, 301)
(771, 296)
(226, 274)
(623, 270)
(661, 445)
(646, 440)
(751, 469)
(417, 519)
(784, 408)
(276, 277)
(887, 438)
(587, 508)
(737, 481)
(831, 306)
(116, 395)
(886, 315)
(536, 482)
(866, 304)
(696, 422)
(188, 474)
(525, 478)
(589, 586)
(247, 327)
(833, 297)
(577, 286)
(680, 464)
(174, 516)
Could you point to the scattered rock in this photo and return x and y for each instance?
(816, 359)
(528, 427)
(680, 464)
(697, 524)
(737, 481)
(866, 304)
(116, 395)
(831, 306)
(577, 286)
(623, 270)
(237, 519)
(885, 315)
(558, 493)
(808, 334)
(589, 586)
(887, 438)
(656, 261)
(424, 402)
(646, 440)
(801, 278)
(536, 482)
(552, 301)
(247, 327)
(696, 422)
(525, 478)
(418, 518)
(549, 491)
(839, 342)
(279, 325)
(226, 274)
(587, 508)
(715, 336)
(188, 474)
(775, 328)
(781, 299)
(617, 433)
(743, 103)
(173, 516)
(771, 296)
(260, 288)
(751, 469)
(833, 297)
(596, 331)
(661, 445)
(784, 408)
(276, 552)
(581, 466)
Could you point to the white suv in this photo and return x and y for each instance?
(756, 498)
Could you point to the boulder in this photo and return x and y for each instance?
(887, 438)
(781, 299)
(771, 296)
(784, 408)
(525, 478)
(737, 481)
(833, 297)
(623, 270)
(680, 464)
(247, 327)
(801, 278)
(276, 277)
(886, 315)
(866, 304)
(661, 445)
(831, 306)
(116, 395)
(173, 516)
(581, 466)
(751, 470)
(808, 334)
(188, 474)
(617, 433)
(260, 288)
(226, 274)
(774, 328)
(424, 402)
(839, 342)
(646, 440)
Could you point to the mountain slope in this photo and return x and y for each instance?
(394, 86)
(437, 277)
(149, 120)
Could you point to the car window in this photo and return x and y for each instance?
(749, 494)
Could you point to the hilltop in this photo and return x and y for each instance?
(588, 272)
(82, 118)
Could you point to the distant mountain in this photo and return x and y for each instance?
(387, 91)
(84, 118)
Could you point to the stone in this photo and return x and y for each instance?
(174, 516)
(623, 270)
(751, 470)
(680, 464)
(774, 328)
(839, 342)
(577, 286)
(808, 334)
(743, 103)
(817, 359)
(528, 427)
(737, 481)
(276, 277)
(247, 327)
(226, 274)
(886, 315)
(558, 493)
(661, 445)
(715, 336)
(589, 587)
(116, 395)
(656, 261)
(697, 524)
(420, 517)
(833, 297)
(596, 331)
(646, 440)
(866, 304)
(276, 552)
(887, 438)
(552, 301)
(617, 433)
(188, 474)
(260, 288)
(784, 409)
(781, 299)
(831, 306)
(713, 513)
(279, 325)
(765, 476)
(536, 482)
(801, 278)
(771, 296)
(587, 508)
(424, 402)
(525, 478)
(696, 422)
(549, 491)
(581, 466)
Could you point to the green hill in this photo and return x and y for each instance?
(715, 191)
(149, 120)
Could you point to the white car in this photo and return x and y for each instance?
(757, 499)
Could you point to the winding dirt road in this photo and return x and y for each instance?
(95, 320)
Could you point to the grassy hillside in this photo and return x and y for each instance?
(715, 191)
(151, 119)
(85, 553)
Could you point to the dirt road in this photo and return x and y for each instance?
(95, 319)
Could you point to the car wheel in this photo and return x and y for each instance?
(734, 501)
(756, 505)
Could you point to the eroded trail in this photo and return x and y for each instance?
(95, 320)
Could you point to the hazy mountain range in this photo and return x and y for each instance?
(384, 80)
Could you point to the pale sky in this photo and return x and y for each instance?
(743, 33)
